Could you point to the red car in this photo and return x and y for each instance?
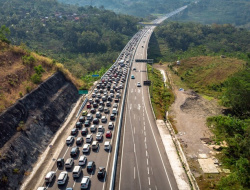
(108, 134)
(88, 105)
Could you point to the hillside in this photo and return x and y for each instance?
(82, 38)
(205, 74)
(137, 7)
(22, 71)
(220, 12)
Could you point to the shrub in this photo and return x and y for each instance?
(36, 79)
(16, 170)
(28, 60)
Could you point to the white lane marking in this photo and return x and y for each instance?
(134, 147)
(139, 106)
(66, 152)
(145, 139)
(149, 180)
(145, 146)
(152, 171)
(145, 133)
(74, 183)
(132, 90)
(147, 161)
(146, 153)
(134, 172)
(139, 91)
(148, 170)
(135, 97)
(144, 128)
(130, 107)
(155, 187)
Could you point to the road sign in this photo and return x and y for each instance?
(147, 82)
(145, 60)
(82, 91)
(95, 75)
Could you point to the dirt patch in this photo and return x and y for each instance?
(188, 114)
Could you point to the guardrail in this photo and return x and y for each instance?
(82, 106)
(113, 173)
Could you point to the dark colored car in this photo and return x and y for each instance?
(84, 131)
(79, 141)
(60, 162)
(110, 98)
(88, 105)
(92, 110)
(74, 131)
(116, 100)
(95, 105)
(90, 166)
(97, 101)
(74, 151)
(112, 117)
(101, 172)
(87, 123)
(96, 121)
(108, 104)
(78, 125)
(82, 119)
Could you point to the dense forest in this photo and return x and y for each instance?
(220, 12)
(82, 38)
(174, 41)
(141, 8)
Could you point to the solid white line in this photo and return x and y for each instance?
(66, 152)
(135, 97)
(134, 147)
(134, 172)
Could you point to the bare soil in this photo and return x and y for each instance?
(188, 114)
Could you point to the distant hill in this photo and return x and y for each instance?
(234, 12)
(83, 39)
(140, 8)
(21, 71)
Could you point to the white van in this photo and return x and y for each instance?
(77, 171)
(114, 111)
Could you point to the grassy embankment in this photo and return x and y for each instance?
(161, 96)
(22, 71)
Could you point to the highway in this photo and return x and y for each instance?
(144, 163)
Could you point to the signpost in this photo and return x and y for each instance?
(82, 91)
(95, 75)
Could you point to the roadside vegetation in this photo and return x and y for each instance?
(21, 71)
(161, 96)
(214, 61)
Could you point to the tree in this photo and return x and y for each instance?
(4, 32)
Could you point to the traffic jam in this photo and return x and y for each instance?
(94, 129)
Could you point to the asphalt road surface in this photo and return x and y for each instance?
(144, 164)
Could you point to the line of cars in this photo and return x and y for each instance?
(107, 90)
(91, 123)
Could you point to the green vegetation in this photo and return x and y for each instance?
(236, 133)
(174, 41)
(161, 96)
(4, 33)
(133, 7)
(235, 12)
(207, 74)
(82, 38)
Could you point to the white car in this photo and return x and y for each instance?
(85, 182)
(69, 140)
(50, 176)
(138, 84)
(93, 128)
(62, 178)
(107, 145)
(82, 160)
(100, 128)
(85, 148)
(89, 138)
(99, 136)
(104, 119)
(111, 125)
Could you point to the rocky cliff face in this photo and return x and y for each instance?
(42, 112)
